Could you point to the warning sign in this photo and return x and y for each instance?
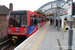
(69, 9)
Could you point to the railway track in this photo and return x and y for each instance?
(10, 45)
(5, 43)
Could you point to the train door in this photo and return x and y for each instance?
(38, 22)
(42, 21)
(30, 28)
(35, 21)
(33, 25)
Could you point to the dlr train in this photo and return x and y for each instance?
(24, 24)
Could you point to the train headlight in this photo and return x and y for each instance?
(9, 30)
(24, 31)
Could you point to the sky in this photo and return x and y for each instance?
(31, 5)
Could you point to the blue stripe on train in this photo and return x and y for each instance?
(30, 29)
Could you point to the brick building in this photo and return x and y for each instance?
(4, 11)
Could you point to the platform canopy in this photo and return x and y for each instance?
(52, 7)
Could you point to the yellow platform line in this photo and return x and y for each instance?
(39, 39)
(32, 39)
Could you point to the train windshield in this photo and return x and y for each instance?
(18, 21)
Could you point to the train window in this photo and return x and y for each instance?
(24, 21)
(38, 19)
(11, 21)
(42, 19)
(35, 20)
(31, 20)
(17, 21)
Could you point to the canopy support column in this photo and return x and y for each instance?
(55, 20)
(58, 28)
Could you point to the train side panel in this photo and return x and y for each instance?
(33, 28)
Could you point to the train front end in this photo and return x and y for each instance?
(17, 25)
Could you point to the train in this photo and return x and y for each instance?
(24, 23)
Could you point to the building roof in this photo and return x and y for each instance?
(4, 10)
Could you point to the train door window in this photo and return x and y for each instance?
(17, 21)
(38, 19)
(24, 21)
(35, 20)
(42, 19)
(31, 20)
(11, 21)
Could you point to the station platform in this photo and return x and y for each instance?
(46, 38)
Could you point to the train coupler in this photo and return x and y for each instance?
(14, 39)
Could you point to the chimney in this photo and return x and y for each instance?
(11, 7)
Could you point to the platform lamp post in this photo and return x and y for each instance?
(70, 30)
(58, 12)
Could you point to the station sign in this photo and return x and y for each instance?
(64, 11)
(69, 9)
(53, 11)
(50, 15)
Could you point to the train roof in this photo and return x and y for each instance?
(24, 11)
(21, 11)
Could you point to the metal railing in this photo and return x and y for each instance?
(2, 35)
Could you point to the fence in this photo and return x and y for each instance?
(2, 34)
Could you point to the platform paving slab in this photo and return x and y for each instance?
(52, 40)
